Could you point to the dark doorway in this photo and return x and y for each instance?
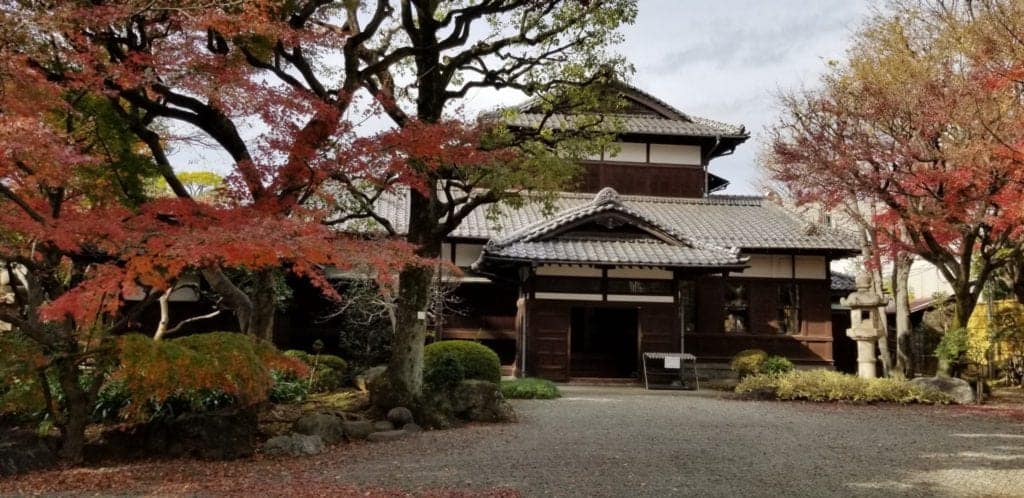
(604, 342)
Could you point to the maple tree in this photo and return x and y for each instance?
(915, 124)
(212, 71)
(296, 71)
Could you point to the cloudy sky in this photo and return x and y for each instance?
(721, 59)
(726, 60)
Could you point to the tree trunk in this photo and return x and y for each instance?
(901, 275)
(881, 322)
(73, 421)
(165, 314)
(261, 322)
(964, 302)
(405, 371)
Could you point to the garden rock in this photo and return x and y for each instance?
(22, 451)
(357, 429)
(400, 416)
(411, 428)
(481, 401)
(383, 425)
(294, 444)
(364, 379)
(387, 436)
(958, 389)
(329, 427)
(219, 435)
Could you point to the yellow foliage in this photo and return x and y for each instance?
(980, 329)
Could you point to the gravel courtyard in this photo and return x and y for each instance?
(599, 441)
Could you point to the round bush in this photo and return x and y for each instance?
(748, 362)
(477, 361)
(775, 365)
(445, 372)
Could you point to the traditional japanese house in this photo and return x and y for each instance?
(643, 257)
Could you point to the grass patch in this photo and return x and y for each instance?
(529, 388)
(826, 385)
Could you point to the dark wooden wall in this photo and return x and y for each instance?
(811, 345)
(642, 179)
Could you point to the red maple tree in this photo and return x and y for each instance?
(907, 127)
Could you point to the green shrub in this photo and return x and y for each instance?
(775, 365)
(287, 389)
(953, 346)
(826, 385)
(444, 372)
(529, 388)
(477, 361)
(748, 362)
(326, 372)
(298, 354)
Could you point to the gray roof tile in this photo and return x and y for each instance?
(749, 223)
(624, 252)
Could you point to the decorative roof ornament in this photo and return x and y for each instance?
(607, 195)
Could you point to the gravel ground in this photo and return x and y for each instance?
(619, 441)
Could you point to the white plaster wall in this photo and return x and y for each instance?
(467, 254)
(675, 154)
(627, 152)
(781, 266)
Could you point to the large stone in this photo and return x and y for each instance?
(400, 416)
(357, 429)
(958, 389)
(222, 435)
(383, 425)
(364, 379)
(480, 401)
(294, 444)
(329, 427)
(411, 427)
(22, 451)
(387, 436)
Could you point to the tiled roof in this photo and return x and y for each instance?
(548, 240)
(749, 223)
(632, 123)
(625, 252)
(663, 119)
(843, 282)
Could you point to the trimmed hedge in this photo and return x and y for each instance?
(529, 388)
(826, 385)
(748, 362)
(775, 365)
(477, 361)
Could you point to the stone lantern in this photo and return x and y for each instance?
(863, 330)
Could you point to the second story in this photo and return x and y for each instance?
(659, 151)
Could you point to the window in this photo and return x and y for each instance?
(737, 308)
(789, 308)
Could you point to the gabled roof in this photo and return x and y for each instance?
(649, 243)
(749, 223)
(646, 115)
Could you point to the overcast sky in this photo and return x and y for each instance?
(720, 59)
(726, 60)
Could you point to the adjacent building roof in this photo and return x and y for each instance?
(748, 223)
(570, 237)
(654, 117)
(843, 282)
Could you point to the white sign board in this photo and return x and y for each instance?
(672, 362)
